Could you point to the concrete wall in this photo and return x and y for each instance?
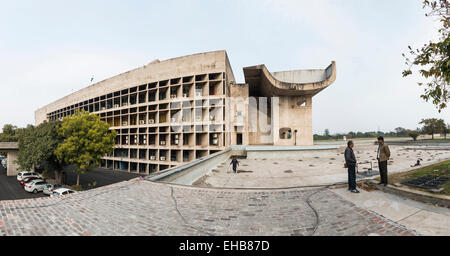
(290, 154)
(292, 112)
(296, 117)
(189, 173)
(301, 76)
(237, 102)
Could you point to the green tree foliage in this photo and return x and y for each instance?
(37, 146)
(9, 133)
(433, 59)
(413, 134)
(326, 133)
(432, 126)
(86, 140)
(400, 131)
(446, 130)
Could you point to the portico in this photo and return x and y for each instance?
(11, 149)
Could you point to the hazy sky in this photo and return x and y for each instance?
(49, 49)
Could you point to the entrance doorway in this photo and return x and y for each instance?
(3, 161)
(239, 139)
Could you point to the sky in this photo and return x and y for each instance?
(49, 49)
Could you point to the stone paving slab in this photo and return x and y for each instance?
(140, 207)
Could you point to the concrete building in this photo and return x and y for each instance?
(171, 112)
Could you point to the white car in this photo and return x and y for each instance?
(61, 192)
(35, 186)
(23, 175)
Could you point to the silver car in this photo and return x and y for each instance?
(35, 186)
(23, 175)
(49, 188)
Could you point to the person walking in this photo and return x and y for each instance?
(383, 155)
(350, 162)
(235, 164)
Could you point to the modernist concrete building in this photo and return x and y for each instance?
(171, 112)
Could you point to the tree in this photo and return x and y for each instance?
(446, 130)
(413, 134)
(400, 131)
(432, 126)
(326, 133)
(86, 140)
(37, 146)
(434, 58)
(9, 133)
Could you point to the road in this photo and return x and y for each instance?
(101, 176)
(11, 190)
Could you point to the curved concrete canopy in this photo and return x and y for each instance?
(288, 83)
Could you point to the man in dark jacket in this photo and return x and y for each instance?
(383, 154)
(350, 161)
(235, 164)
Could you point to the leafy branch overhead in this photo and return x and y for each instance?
(433, 59)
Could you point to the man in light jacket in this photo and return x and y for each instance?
(383, 154)
(350, 161)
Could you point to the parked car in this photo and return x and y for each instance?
(62, 191)
(49, 188)
(23, 175)
(35, 186)
(28, 179)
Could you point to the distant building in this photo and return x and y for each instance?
(171, 112)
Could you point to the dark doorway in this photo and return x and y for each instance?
(239, 138)
(3, 161)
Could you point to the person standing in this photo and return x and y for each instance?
(383, 155)
(350, 162)
(235, 164)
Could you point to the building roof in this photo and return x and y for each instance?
(288, 83)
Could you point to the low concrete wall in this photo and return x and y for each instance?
(279, 152)
(190, 172)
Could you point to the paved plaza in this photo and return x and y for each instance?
(139, 207)
(316, 167)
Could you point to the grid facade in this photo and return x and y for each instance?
(161, 124)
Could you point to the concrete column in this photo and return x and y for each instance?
(13, 168)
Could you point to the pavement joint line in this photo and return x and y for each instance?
(181, 215)
(410, 215)
(308, 201)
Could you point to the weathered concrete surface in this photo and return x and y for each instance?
(424, 218)
(140, 207)
(316, 167)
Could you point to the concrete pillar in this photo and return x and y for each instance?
(13, 167)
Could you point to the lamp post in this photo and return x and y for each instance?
(295, 137)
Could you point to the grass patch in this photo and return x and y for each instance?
(441, 169)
